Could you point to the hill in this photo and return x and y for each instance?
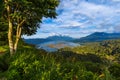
(98, 36)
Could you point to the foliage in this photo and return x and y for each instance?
(108, 47)
(3, 49)
(30, 11)
(4, 62)
(34, 66)
(30, 63)
(24, 17)
(3, 31)
(114, 70)
(3, 27)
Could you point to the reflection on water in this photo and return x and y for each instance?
(55, 45)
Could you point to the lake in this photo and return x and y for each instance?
(55, 45)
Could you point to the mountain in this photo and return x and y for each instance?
(48, 39)
(98, 36)
(60, 38)
(36, 41)
(94, 37)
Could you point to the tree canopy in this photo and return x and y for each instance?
(24, 17)
(3, 31)
(30, 13)
(3, 27)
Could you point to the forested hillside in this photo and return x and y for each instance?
(105, 47)
(91, 61)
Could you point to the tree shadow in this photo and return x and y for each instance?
(88, 57)
(4, 62)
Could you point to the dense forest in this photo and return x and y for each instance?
(91, 61)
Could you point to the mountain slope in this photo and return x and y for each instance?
(48, 39)
(95, 37)
(60, 38)
(98, 36)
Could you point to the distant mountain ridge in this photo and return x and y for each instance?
(60, 38)
(94, 37)
(48, 39)
(98, 36)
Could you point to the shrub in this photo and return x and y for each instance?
(115, 70)
(93, 67)
(4, 62)
(33, 66)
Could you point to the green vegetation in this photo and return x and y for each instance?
(3, 49)
(92, 61)
(23, 17)
(66, 64)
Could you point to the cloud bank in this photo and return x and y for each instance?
(78, 18)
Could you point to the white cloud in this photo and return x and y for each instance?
(79, 17)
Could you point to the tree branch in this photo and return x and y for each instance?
(21, 23)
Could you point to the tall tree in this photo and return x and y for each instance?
(24, 17)
(3, 27)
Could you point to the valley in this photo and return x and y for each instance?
(53, 43)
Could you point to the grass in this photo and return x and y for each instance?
(30, 63)
(3, 49)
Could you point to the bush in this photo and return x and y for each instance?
(115, 70)
(4, 62)
(33, 66)
(93, 67)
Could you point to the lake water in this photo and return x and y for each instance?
(55, 45)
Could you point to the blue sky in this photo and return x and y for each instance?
(78, 18)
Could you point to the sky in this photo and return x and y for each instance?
(79, 18)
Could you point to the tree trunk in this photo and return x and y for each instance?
(10, 29)
(18, 35)
(13, 43)
(10, 40)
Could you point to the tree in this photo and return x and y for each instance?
(3, 32)
(3, 28)
(24, 17)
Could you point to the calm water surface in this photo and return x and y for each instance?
(55, 45)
